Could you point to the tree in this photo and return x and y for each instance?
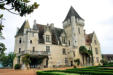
(20, 6)
(2, 48)
(26, 60)
(7, 61)
(11, 56)
(83, 51)
(104, 62)
(77, 61)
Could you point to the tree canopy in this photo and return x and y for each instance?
(18, 7)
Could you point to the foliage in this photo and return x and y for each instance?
(26, 60)
(17, 66)
(11, 56)
(104, 62)
(77, 61)
(2, 48)
(94, 70)
(20, 6)
(83, 49)
(90, 52)
(7, 61)
(54, 73)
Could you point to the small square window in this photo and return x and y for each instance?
(64, 51)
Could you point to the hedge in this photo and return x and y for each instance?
(54, 73)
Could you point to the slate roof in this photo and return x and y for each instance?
(56, 32)
(72, 12)
(88, 38)
(21, 30)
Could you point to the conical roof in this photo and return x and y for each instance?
(71, 13)
(24, 26)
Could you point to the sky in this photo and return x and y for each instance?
(98, 16)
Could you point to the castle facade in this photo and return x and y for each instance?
(55, 47)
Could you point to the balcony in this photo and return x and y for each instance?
(37, 53)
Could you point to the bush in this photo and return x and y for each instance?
(17, 66)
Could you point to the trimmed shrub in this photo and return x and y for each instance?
(17, 66)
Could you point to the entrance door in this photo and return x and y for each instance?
(71, 63)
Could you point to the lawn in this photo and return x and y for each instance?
(95, 70)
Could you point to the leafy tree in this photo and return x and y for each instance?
(20, 6)
(104, 62)
(77, 61)
(11, 56)
(2, 48)
(7, 61)
(26, 60)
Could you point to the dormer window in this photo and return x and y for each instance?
(20, 40)
(47, 38)
(63, 40)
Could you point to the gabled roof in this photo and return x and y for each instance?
(71, 13)
(55, 32)
(88, 38)
(24, 25)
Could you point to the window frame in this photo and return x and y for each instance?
(48, 49)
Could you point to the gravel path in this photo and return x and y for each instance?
(26, 72)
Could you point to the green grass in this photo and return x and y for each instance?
(55, 73)
(94, 70)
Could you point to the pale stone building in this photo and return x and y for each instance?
(55, 47)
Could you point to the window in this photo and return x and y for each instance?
(19, 50)
(20, 40)
(69, 42)
(79, 30)
(74, 54)
(64, 51)
(33, 34)
(63, 40)
(30, 41)
(48, 49)
(47, 38)
(66, 61)
(33, 49)
(18, 60)
(95, 42)
(96, 50)
(97, 58)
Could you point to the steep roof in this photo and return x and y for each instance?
(56, 32)
(88, 38)
(72, 12)
(24, 25)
